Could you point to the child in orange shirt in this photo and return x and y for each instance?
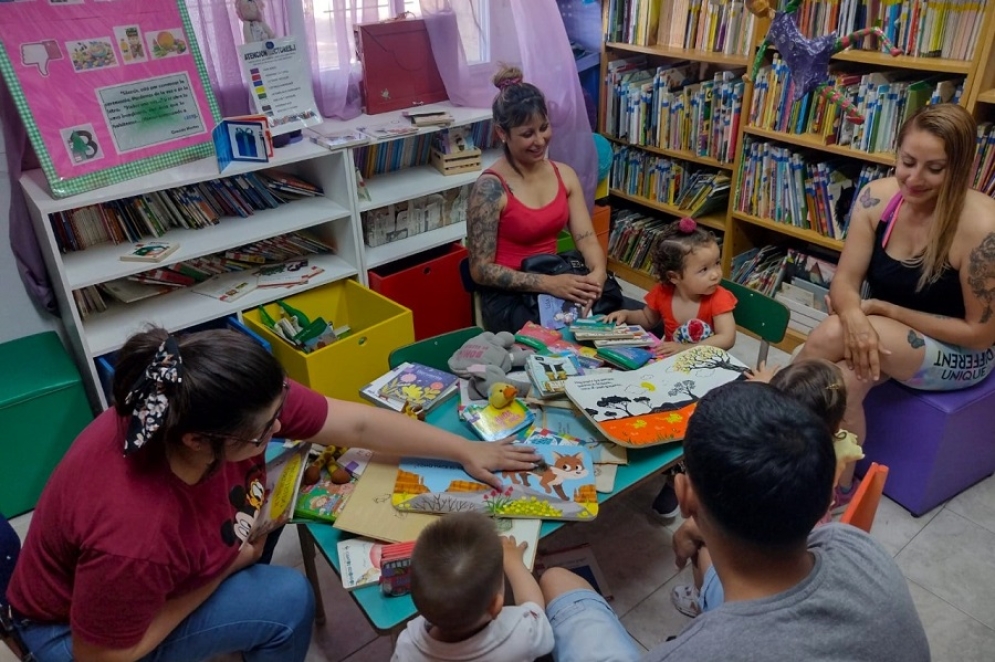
(691, 302)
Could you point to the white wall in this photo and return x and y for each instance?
(19, 316)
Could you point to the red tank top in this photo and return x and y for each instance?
(525, 231)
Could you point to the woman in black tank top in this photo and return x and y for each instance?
(925, 243)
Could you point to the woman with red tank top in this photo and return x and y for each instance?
(518, 207)
(924, 241)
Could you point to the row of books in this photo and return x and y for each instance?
(193, 206)
(921, 28)
(715, 26)
(885, 99)
(669, 181)
(277, 261)
(673, 108)
(411, 217)
(984, 160)
(635, 236)
(782, 185)
(415, 150)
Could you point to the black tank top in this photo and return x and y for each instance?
(892, 281)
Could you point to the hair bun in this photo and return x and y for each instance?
(508, 82)
(687, 225)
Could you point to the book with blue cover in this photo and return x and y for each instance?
(561, 486)
(418, 385)
(556, 313)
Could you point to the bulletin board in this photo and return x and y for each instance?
(108, 90)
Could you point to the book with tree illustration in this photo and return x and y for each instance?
(561, 486)
(417, 384)
(652, 405)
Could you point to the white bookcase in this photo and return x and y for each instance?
(335, 217)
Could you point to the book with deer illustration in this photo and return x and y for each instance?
(561, 486)
(652, 405)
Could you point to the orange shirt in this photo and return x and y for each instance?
(661, 298)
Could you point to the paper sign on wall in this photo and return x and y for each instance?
(280, 84)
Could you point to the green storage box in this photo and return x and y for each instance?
(42, 408)
(564, 241)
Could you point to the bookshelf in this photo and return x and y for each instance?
(743, 230)
(335, 217)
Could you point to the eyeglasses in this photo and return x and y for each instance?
(267, 433)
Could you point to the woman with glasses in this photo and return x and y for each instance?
(138, 547)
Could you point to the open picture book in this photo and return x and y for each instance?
(560, 487)
(652, 405)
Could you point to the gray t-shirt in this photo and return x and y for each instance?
(855, 605)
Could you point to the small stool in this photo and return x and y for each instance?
(43, 407)
(936, 444)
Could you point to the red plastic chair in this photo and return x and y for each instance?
(864, 506)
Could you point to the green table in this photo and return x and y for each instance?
(386, 614)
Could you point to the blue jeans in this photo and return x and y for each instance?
(586, 629)
(266, 612)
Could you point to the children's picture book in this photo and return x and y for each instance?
(556, 313)
(561, 486)
(381, 393)
(150, 251)
(586, 333)
(354, 460)
(579, 559)
(227, 287)
(388, 130)
(652, 405)
(324, 500)
(283, 480)
(492, 424)
(128, 291)
(536, 336)
(293, 272)
(245, 138)
(549, 374)
(359, 562)
(332, 139)
(418, 385)
(570, 425)
(628, 358)
(522, 530)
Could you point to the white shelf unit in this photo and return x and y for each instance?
(334, 217)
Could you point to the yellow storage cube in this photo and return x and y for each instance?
(377, 326)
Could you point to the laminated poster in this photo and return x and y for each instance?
(109, 91)
(280, 84)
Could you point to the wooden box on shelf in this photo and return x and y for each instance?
(467, 160)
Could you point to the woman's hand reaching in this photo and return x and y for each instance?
(482, 459)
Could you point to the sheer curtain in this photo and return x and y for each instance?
(471, 37)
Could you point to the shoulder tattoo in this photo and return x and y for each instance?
(483, 215)
(981, 274)
(866, 200)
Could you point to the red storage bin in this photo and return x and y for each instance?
(429, 284)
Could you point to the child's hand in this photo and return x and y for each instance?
(669, 348)
(618, 317)
(513, 550)
(762, 373)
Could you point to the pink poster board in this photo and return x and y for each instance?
(109, 90)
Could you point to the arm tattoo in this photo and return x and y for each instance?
(483, 217)
(585, 235)
(981, 274)
(866, 200)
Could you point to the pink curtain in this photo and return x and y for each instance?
(530, 34)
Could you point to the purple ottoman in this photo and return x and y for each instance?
(936, 445)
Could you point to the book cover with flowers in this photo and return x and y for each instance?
(419, 385)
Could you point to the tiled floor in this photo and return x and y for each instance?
(946, 555)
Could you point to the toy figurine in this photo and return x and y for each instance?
(254, 26)
(808, 59)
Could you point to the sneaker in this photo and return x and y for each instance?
(686, 599)
(665, 503)
(842, 498)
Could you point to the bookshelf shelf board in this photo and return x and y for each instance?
(987, 96)
(461, 115)
(715, 222)
(392, 187)
(933, 64)
(790, 230)
(36, 186)
(683, 54)
(101, 263)
(676, 154)
(630, 275)
(792, 339)
(812, 142)
(395, 250)
(179, 309)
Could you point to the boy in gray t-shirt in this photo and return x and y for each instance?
(760, 469)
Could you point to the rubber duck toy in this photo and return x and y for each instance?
(501, 395)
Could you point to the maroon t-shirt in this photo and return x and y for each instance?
(114, 537)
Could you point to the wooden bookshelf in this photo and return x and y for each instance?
(637, 277)
(810, 236)
(811, 141)
(714, 221)
(682, 54)
(929, 64)
(676, 154)
(988, 96)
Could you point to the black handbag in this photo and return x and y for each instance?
(572, 262)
